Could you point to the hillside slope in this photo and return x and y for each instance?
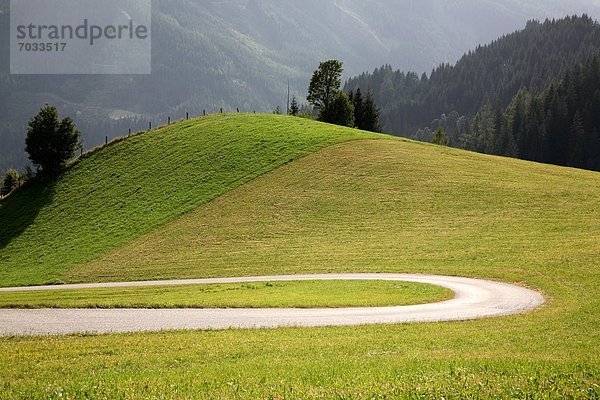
(375, 206)
(130, 187)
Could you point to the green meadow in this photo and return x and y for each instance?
(261, 195)
(119, 192)
(294, 294)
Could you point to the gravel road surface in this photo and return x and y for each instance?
(474, 298)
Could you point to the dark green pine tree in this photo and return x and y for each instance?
(357, 101)
(485, 129)
(535, 145)
(577, 150)
(340, 111)
(556, 126)
(370, 115)
(294, 107)
(518, 120)
(594, 151)
(51, 142)
(504, 143)
(440, 138)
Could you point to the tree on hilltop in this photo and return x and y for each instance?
(366, 113)
(325, 83)
(51, 142)
(294, 107)
(440, 138)
(324, 89)
(340, 111)
(370, 115)
(357, 101)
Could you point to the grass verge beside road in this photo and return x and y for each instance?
(305, 294)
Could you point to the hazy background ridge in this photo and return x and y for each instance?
(241, 54)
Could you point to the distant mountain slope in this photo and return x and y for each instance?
(485, 81)
(531, 58)
(241, 53)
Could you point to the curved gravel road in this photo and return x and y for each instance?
(474, 298)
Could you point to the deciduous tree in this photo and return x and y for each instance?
(324, 88)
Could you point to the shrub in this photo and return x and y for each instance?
(10, 181)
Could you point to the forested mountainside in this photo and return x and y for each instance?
(560, 125)
(241, 54)
(524, 70)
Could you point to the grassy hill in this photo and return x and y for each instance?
(128, 188)
(360, 205)
(377, 206)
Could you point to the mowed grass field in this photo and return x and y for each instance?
(294, 294)
(131, 187)
(366, 205)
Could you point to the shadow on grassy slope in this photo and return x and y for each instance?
(27, 205)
